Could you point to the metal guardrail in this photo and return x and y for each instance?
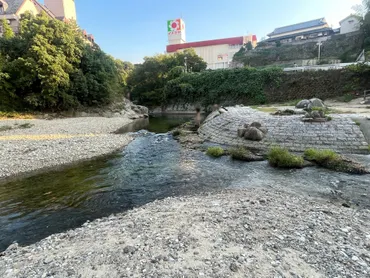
(323, 67)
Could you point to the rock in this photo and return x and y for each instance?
(303, 104)
(222, 110)
(241, 132)
(129, 249)
(254, 134)
(263, 129)
(256, 124)
(234, 267)
(315, 114)
(316, 102)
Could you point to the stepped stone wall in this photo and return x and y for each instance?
(340, 134)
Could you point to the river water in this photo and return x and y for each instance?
(153, 166)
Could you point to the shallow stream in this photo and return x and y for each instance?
(153, 166)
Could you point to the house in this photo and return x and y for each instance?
(351, 23)
(218, 54)
(301, 31)
(63, 10)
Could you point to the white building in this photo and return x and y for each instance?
(218, 54)
(350, 24)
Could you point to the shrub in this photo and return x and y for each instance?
(331, 160)
(239, 153)
(282, 158)
(215, 151)
(320, 156)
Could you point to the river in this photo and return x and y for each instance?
(153, 166)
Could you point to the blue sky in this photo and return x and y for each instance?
(132, 29)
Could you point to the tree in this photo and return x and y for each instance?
(7, 30)
(147, 81)
(249, 46)
(48, 65)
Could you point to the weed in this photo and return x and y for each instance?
(282, 158)
(239, 153)
(215, 151)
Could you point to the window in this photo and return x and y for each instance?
(351, 21)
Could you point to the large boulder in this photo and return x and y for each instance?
(303, 104)
(316, 102)
(254, 134)
(241, 132)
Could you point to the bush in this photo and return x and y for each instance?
(215, 151)
(320, 156)
(331, 160)
(282, 158)
(239, 153)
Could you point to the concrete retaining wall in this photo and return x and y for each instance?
(341, 134)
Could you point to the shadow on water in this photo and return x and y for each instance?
(153, 166)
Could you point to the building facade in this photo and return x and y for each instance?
(218, 54)
(301, 31)
(63, 10)
(350, 24)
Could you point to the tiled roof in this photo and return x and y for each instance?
(13, 6)
(299, 26)
(324, 29)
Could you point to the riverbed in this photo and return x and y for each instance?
(153, 166)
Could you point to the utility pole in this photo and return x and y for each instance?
(319, 44)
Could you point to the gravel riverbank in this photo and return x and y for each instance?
(238, 233)
(36, 144)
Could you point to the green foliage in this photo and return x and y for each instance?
(48, 66)
(239, 153)
(215, 151)
(249, 46)
(320, 156)
(347, 97)
(147, 81)
(331, 160)
(282, 158)
(7, 30)
(244, 85)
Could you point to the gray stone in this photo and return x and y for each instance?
(241, 132)
(263, 129)
(234, 267)
(303, 104)
(254, 134)
(316, 102)
(256, 124)
(315, 114)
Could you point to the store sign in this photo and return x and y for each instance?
(175, 26)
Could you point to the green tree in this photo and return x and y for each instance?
(249, 46)
(7, 30)
(147, 81)
(48, 65)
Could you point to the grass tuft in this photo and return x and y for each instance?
(25, 125)
(239, 153)
(215, 151)
(282, 158)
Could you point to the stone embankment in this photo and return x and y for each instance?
(238, 233)
(340, 134)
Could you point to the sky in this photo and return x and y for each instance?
(132, 29)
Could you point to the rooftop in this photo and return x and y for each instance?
(235, 40)
(299, 26)
(13, 6)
